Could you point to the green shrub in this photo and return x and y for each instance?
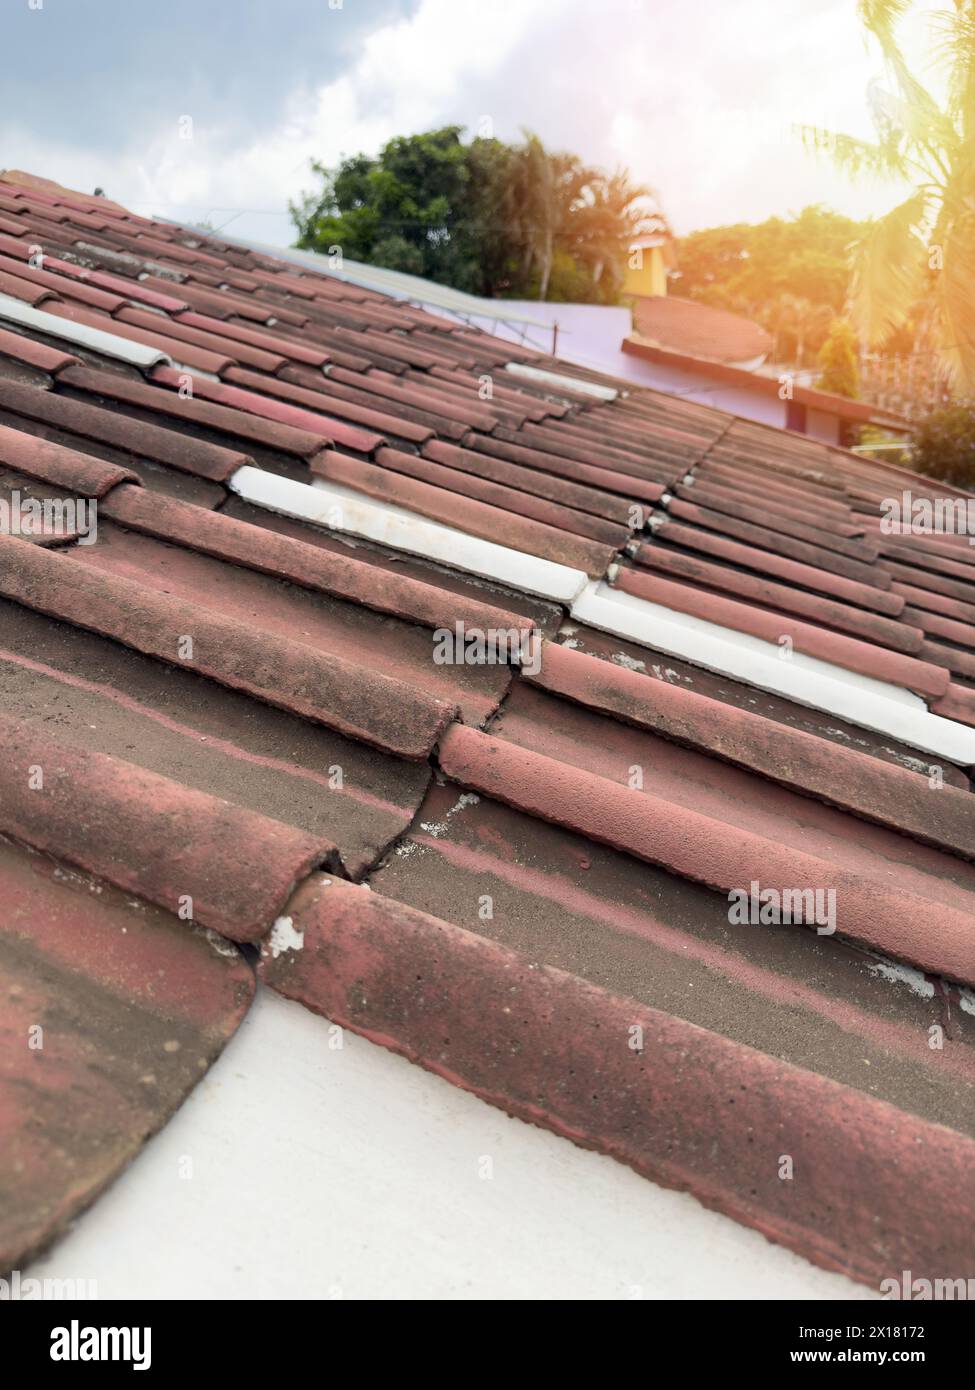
(838, 362)
(944, 445)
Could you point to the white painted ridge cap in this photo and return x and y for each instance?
(861, 700)
(561, 382)
(343, 509)
(108, 344)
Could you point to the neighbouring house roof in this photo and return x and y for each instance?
(224, 724)
(698, 330)
(857, 412)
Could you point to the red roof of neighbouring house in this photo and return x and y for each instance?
(222, 724)
(698, 330)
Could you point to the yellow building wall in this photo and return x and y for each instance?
(650, 277)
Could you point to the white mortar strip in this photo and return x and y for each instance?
(560, 382)
(108, 344)
(343, 509)
(858, 699)
(861, 700)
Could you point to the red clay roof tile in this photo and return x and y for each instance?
(55, 464)
(225, 420)
(362, 704)
(888, 632)
(567, 494)
(310, 421)
(322, 399)
(315, 649)
(187, 354)
(132, 436)
(468, 514)
(178, 331)
(33, 354)
(135, 1006)
(550, 1047)
(22, 289)
(802, 564)
(58, 284)
(265, 339)
(303, 564)
(227, 868)
(592, 474)
(958, 702)
(507, 498)
(839, 775)
(840, 650)
(707, 851)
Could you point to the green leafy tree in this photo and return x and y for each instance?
(923, 250)
(944, 446)
(838, 361)
(486, 217)
(402, 210)
(789, 274)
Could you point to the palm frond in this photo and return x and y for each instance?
(881, 18)
(954, 48)
(913, 108)
(855, 157)
(888, 266)
(954, 285)
(919, 117)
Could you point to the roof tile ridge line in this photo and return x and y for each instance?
(66, 330)
(120, 793)
(659, 511)
(860, 700)
(701, 848)
(74, 592)
(382, 601)
(713, 443)
(439, 776)
(675, 722)
(352, 937)
(414, 534)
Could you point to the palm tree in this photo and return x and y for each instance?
(802, 320)
(610, 214)
(553, 202)
(541, 188)
(924, 249)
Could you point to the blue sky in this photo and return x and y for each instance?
(213, 108)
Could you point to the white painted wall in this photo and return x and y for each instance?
(821, 425)
(592, 336)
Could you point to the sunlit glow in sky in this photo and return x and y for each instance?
(698, 98)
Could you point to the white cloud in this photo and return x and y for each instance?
(696, 98)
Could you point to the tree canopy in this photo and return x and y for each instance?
(790, 274)
(917, 263)
(945, 445)
(838, 361)
(483, 216)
